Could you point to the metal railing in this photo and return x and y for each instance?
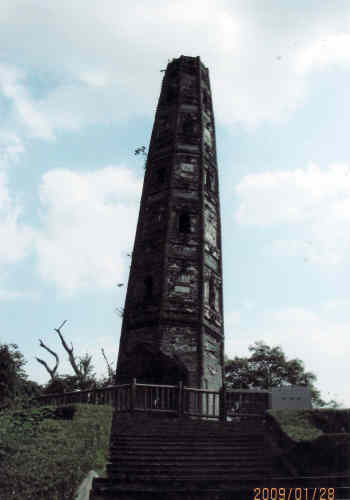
(245, 403)
(106, 395)
(169, 399)
(156, 398)
(201, 403)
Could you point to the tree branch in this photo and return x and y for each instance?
(52, 371)
(109, 368)
(70, 352)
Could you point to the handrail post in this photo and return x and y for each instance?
(180, 408)
(115, 398)
(223, 409)
(133, 395)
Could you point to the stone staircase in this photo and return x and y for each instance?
(173, 458)
(162, 458)
(177, 450)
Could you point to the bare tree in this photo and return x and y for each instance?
(110, 370)
(86, 368)
(52, 371)
(70, 352)
(82, 366)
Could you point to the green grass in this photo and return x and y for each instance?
(46, 458)
(314, 441)
(307, 425)
(296, 424)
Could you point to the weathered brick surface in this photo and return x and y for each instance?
(173, 308)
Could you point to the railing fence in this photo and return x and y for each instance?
(169, 399)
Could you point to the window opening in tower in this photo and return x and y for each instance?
(148, 282)
(161, 175)
(184, 223)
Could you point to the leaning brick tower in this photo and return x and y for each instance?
(173, 316)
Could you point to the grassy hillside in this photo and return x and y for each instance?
(306, 425)
(315, 441)
(46, 452)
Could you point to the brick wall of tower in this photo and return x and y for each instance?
(212, 312)
(177, 251)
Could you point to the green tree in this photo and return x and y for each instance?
(13, 379)
(30, 389)
(268, 367)
(8, 375)
(64, 383)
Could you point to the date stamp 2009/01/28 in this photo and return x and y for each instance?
(293, 494)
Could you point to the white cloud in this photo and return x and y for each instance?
(313, 205)
(7, 295)
(11, 147)
(232, 319)
(260, 60)
(24, 107)
(94, 78)
(337, 305)
(327, 49)
(16, 238)
(87, 101)
(88, 223)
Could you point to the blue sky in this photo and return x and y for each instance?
(79, 83)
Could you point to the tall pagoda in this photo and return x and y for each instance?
(173, 316)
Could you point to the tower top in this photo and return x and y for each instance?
(187, 59)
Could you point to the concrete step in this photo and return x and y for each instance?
(167, 431)
(186, 461)
(186, 425)
(174, 469)
(210, 454)
(191, 437)
(258, 438)
(187, 455)
(188, 469)
(205, 476)
(189, 462)
(187, 444)
(215, 463)
(203, 441)
(191, 447)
